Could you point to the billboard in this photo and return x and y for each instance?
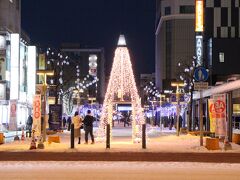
(199, 16)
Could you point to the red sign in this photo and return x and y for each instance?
(218, 107)
(37, 114)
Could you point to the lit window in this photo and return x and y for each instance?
(221, 57)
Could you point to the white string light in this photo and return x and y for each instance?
(121, 83)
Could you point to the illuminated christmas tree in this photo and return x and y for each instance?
(122, 89)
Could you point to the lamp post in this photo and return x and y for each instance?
(45, 73)
(177, 84)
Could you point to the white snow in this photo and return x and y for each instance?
(117, 170)
(158, 141)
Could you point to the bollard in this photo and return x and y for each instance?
(108, 137)
(144, 136)
(72, 136)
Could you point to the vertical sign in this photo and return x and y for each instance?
(199, 49)
(199, 16)
(31, 73)
(37, 114)
(14, 86)
(41, 66)
(13, 116)
(212, 115)
(220, 110)
(93, 64)
(217, 113)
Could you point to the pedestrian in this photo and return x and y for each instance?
(29, 125)
(77, 121)
(69, 122)
(64, 122)
(88, 126)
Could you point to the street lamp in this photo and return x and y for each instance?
(44, 73)
(177, 84)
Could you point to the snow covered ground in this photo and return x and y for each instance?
(158, 141)
(118, 170)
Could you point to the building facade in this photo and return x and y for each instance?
(174, 38)
(17, 63)
(221, 35)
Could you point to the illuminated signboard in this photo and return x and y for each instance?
(199, 49)
(199, 16)
(31, 72)
(93, 64)
(14, 84)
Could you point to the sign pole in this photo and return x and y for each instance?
(201, 118)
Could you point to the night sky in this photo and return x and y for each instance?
(94, 23)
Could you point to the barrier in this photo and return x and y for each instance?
(55, 139)
(212, 143)
(236, 138)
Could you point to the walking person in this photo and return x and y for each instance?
(64, 121)
(69, 122)
(77, 121)
(88, 126)
(29, 126)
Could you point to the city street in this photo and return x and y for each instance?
(118, 170)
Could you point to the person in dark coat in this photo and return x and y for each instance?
(88, 126)
(29, 125)
(69, 122)
(64, 122)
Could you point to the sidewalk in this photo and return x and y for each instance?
(161, 146)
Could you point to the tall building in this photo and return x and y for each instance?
(221, 38)
(10, 16)
(17, 66)
(174, 40)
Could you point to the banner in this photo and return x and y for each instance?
(13, 115)
(37, 114)
(212, 116)
(217, 114)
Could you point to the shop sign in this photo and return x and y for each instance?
(37, 114)
(199, 49)
(198, 86)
